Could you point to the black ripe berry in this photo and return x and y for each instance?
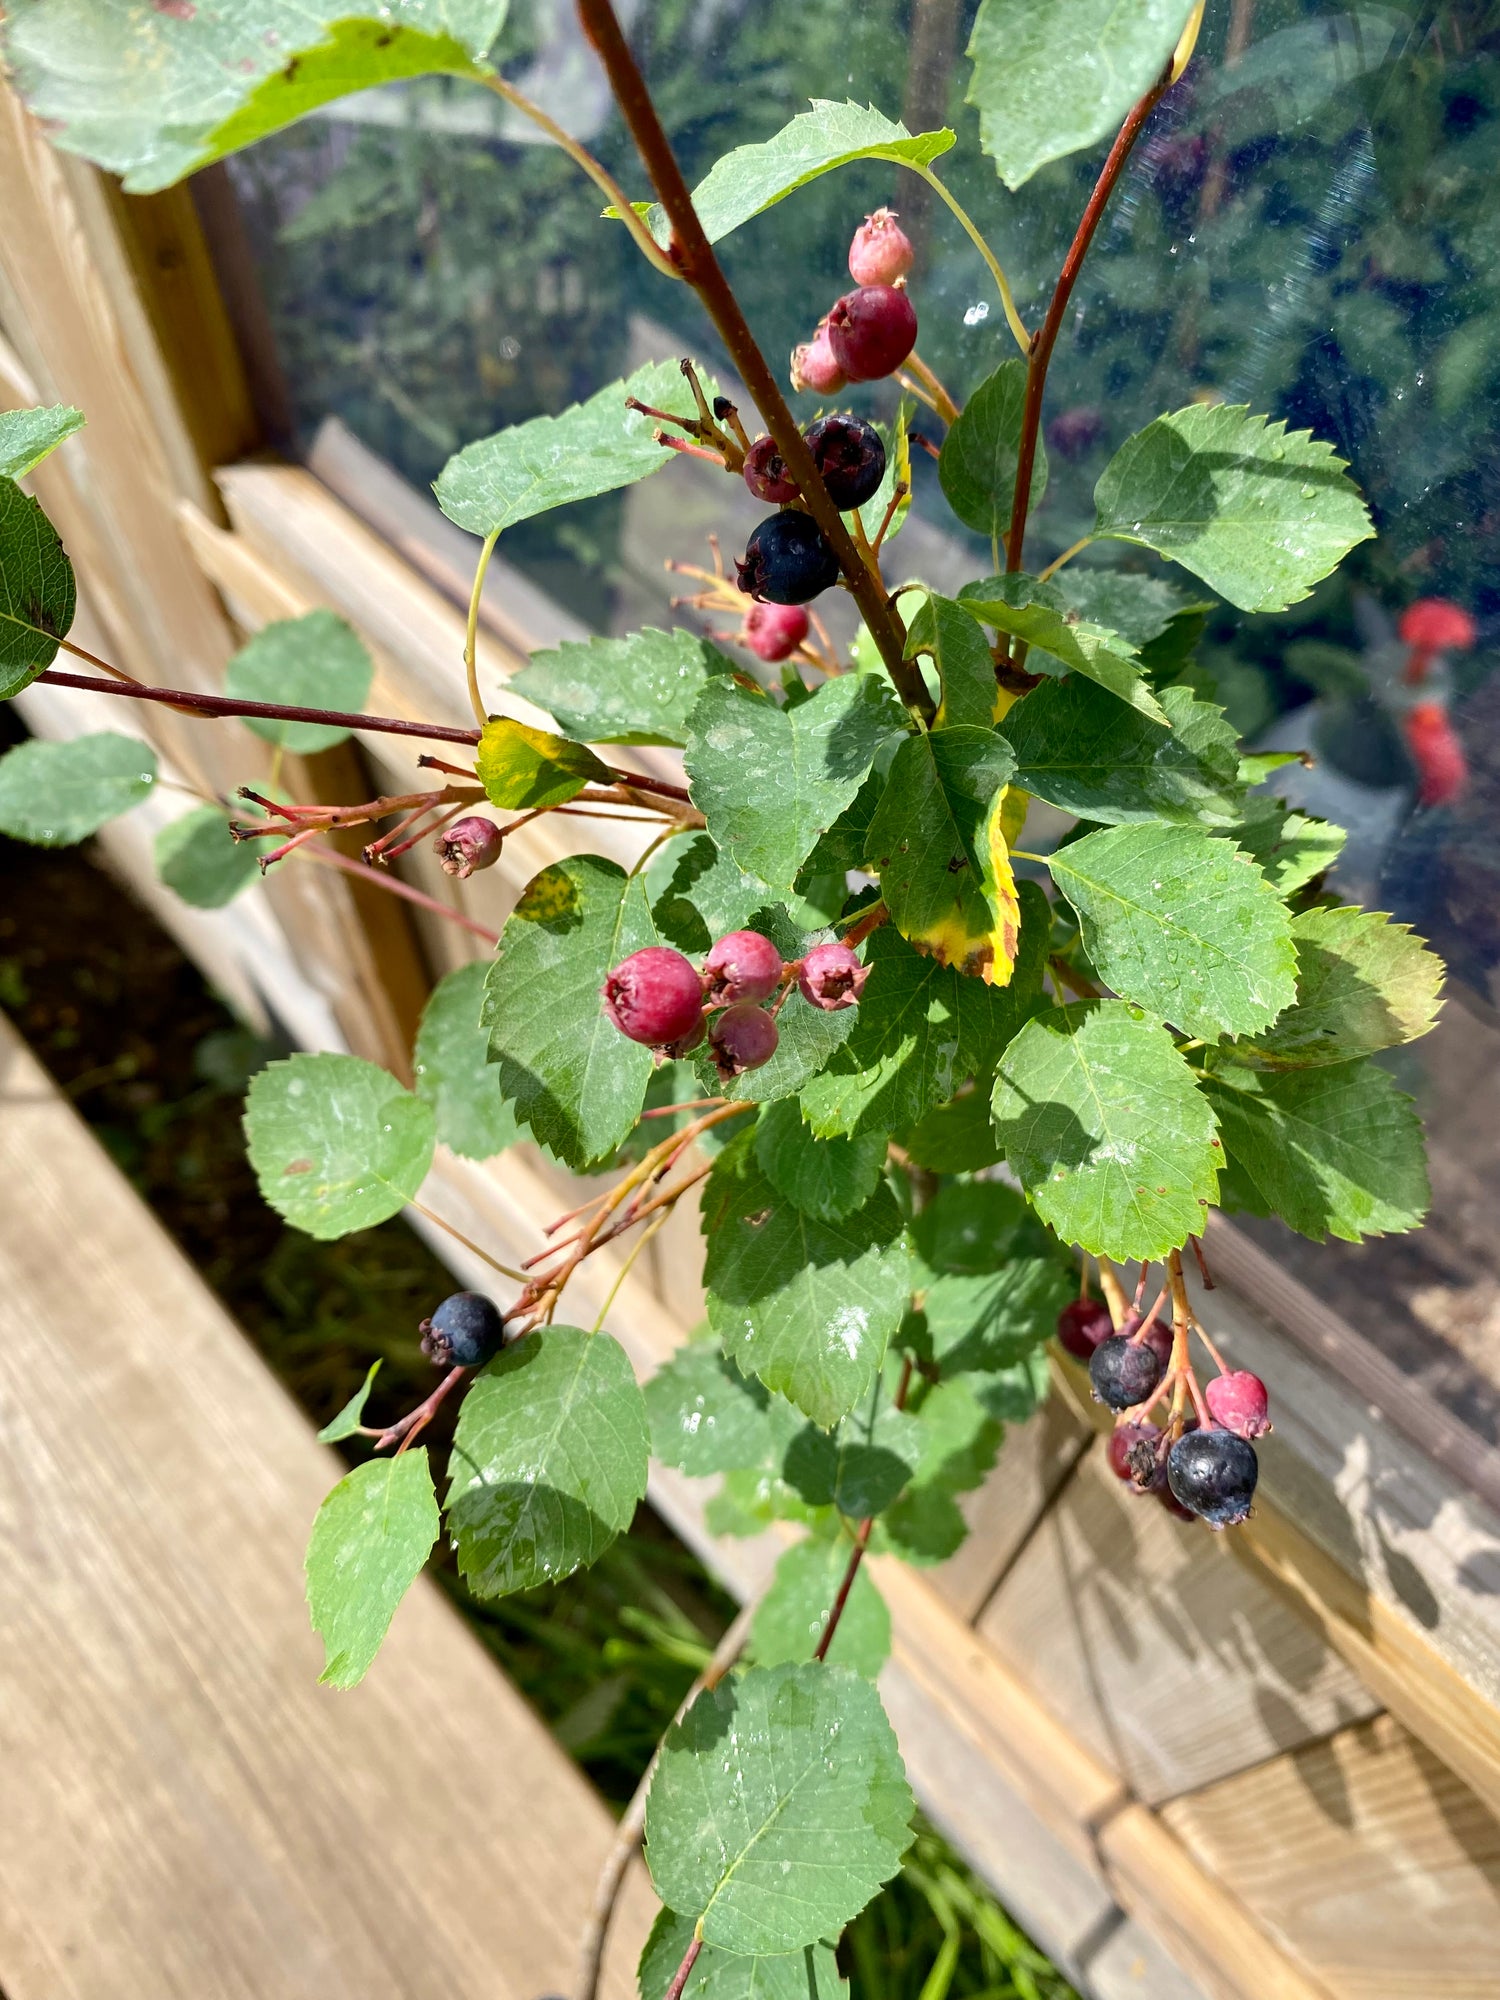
(1213, 1473)
(1124, 1372)
(851, 457)
(788, 560)
(464, 1332)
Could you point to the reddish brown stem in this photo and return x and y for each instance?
(406, 1428)
(1045, 338)
(396, 887)
(681, 1975)
(270, 711)
(693, 256)
(856, 1557)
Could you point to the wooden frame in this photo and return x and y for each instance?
(1366, 1558)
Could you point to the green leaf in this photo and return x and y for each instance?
(751, 1784)
(575, 1081)
(591, 448)
(770, 780)
(922, 1029)
(946, 631)
(977, 467)
(1103, 1125)
(750, 1499)
(828, 1178)
(810, 1037)
(336, 1143)
(1182, 924)
(1258, 511)
(156, 93)
(1059, 638)
(351, 1418)
(944, 867)
(200, 860)
(1049, 80)
(1335, 1151)
(706, 894)
(958, 1435)
(316, 661)
(38, 595)
(29, 436)
(809, 1974)
(1363, 984)
(752, 179)
(56, 794)
(956, 1137)
(1086, 753)
(369, 1542)
(793, 1615)
(549, 1460)
(807, 1306)
(639, 689)
(1141, 609)
(1288, 848)
(453, 1072)
(522, 768)
(990, 1279)
(859, 1466)
(706, 1416)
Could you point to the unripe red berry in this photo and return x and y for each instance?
(742, 1038)
(831, 977)
(850, 454)
(742, 966)
(766, 474)
(872, 331)
(468, 844)
(775, 631)
(1081, 1325)
(685, 1044)
(788, 560)
(1239, 1403)
(1124, 1372)
(881, 251)
(814, 366)
(654, 996)
(1134, 1456)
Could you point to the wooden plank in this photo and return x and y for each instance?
(187, 1812)
(1172, 1662)
(1368, 1861)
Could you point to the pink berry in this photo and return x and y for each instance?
(814, 366)
(832, 977)
(468, 844)
(881, 251)
(1081, 1325)
(872, 331)
(1238, 1401)
(742, 1038)
(742, 966)
(654, 996)
(775, 631)
(1133, 1455)
(766, 474)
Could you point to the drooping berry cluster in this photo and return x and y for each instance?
(657, 998)
(1199, 1461)
(788, 559)
(868, 332)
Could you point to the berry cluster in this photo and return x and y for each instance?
(788, 559)
(1200, 1462)
(657, 998)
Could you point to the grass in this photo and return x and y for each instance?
(158, 1067)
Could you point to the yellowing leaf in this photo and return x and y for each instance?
(521, 767)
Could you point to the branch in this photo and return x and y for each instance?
(209, 705)
(1046, 337)
(693, 256)
(861, 1540)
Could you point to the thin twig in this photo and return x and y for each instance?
(330, 858)
(210, 705)
(471, 628)
(468, 1242)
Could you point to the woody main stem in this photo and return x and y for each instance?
(692, 254)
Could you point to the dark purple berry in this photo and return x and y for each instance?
(881, 251)
(813, 366)
(654, 996)
(872, 331)
(1213, 1474)
(468, 844)
(1124, 1372)
(788, 560)
(464, 1332)
(742, 1038)
(742, 966)
(1081, 1325)
(851, 457)
(831, 977)
(766, 474)
(774, 631)
(1239, 1402)
(1134, 1453)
